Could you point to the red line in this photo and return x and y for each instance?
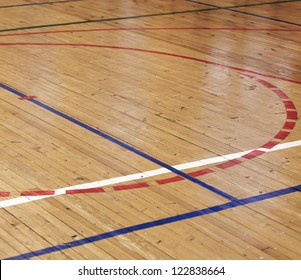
(270, 144)
(201, 172)
(280, 93)
(253, 154)
(228, 164)
(179, 178)
(28, 97)
(37, 193)
(90, 190)
(289, 105)
(154, 52)
(152, 29)
(282, 135)
(129, 187)
(170, 180)
(4, 194)
(291, 115)
(265, 83)
(289, 125)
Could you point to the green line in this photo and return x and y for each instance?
(260, 4)
(107, 19)
(144, 16)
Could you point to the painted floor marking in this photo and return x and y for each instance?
(122, 144)
(281, 135)
(156, 223)
(198, 213)
(38, 4)
(143, 16)
(246, 72)
(232, 9)
(138, 176)
(153, 29)
(27, 97)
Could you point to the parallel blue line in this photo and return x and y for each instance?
(156, 223)
(123, 145)
(247, 13)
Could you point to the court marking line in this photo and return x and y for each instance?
(141, 16)
(122, 144)
(152, 29)
(289, 125)
(242, 70)
(232, 9)
(139, 176)
(38, 4)
(217, 208)
(156, 223)
(28, 97)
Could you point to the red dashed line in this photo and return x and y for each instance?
(266, 84)
(289, 105)
(130, 187)
(253, 154)
(201, 172)
(280, 94)
(4, 194)
(270, 144)
(170, 180)
(228, 164)
(289, 125)
(282, 135)
(178, 178)
(90, 190)
(37, 193)
(28, 97)
(292, 115)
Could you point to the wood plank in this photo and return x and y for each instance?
(175, 81)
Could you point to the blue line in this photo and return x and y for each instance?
(123, 145)
(246, 13)
(147, 225)
(38, 4)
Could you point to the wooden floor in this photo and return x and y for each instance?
(135, 129)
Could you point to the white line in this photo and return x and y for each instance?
(137, 176)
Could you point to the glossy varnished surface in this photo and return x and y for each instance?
(127, 87)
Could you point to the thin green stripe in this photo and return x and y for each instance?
(144, 16)
(107, 19)
(260, 4)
